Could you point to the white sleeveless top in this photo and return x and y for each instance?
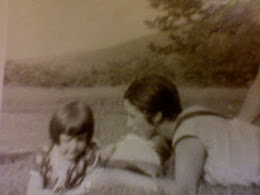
(136, 148)
(232, 146)
(135, 152)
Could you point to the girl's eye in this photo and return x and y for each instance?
(81, 139)
(66, 138)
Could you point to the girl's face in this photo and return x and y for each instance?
(71, 146)
(136, 120)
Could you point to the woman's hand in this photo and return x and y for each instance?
(161, 147)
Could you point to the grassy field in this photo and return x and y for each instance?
(26, 112)
(35, 87)
(29, 109)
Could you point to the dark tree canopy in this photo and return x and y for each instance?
(220, 36)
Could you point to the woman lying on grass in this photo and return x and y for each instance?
(205, 144)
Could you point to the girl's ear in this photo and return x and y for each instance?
(157, 118)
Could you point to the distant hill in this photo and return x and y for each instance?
(130, 49)
(109, 66)
(119, 65)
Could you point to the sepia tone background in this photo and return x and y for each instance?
(91, 50)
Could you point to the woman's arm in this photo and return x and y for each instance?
(250, 109)
(189, 164)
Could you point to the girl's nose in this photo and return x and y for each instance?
(129, 122)
(73, 144)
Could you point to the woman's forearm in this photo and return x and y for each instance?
(250, 109)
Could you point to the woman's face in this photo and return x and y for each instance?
(136, 120)
(71, 146)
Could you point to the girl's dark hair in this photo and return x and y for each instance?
(153, 94)
(74, 119)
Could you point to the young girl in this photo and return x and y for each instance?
(223, 151)
(72, 154)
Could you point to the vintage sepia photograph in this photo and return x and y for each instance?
(119, 97)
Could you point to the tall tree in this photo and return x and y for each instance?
(218, 35)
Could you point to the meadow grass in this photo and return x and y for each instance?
(109, 127)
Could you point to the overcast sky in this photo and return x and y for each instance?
(53, 27)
